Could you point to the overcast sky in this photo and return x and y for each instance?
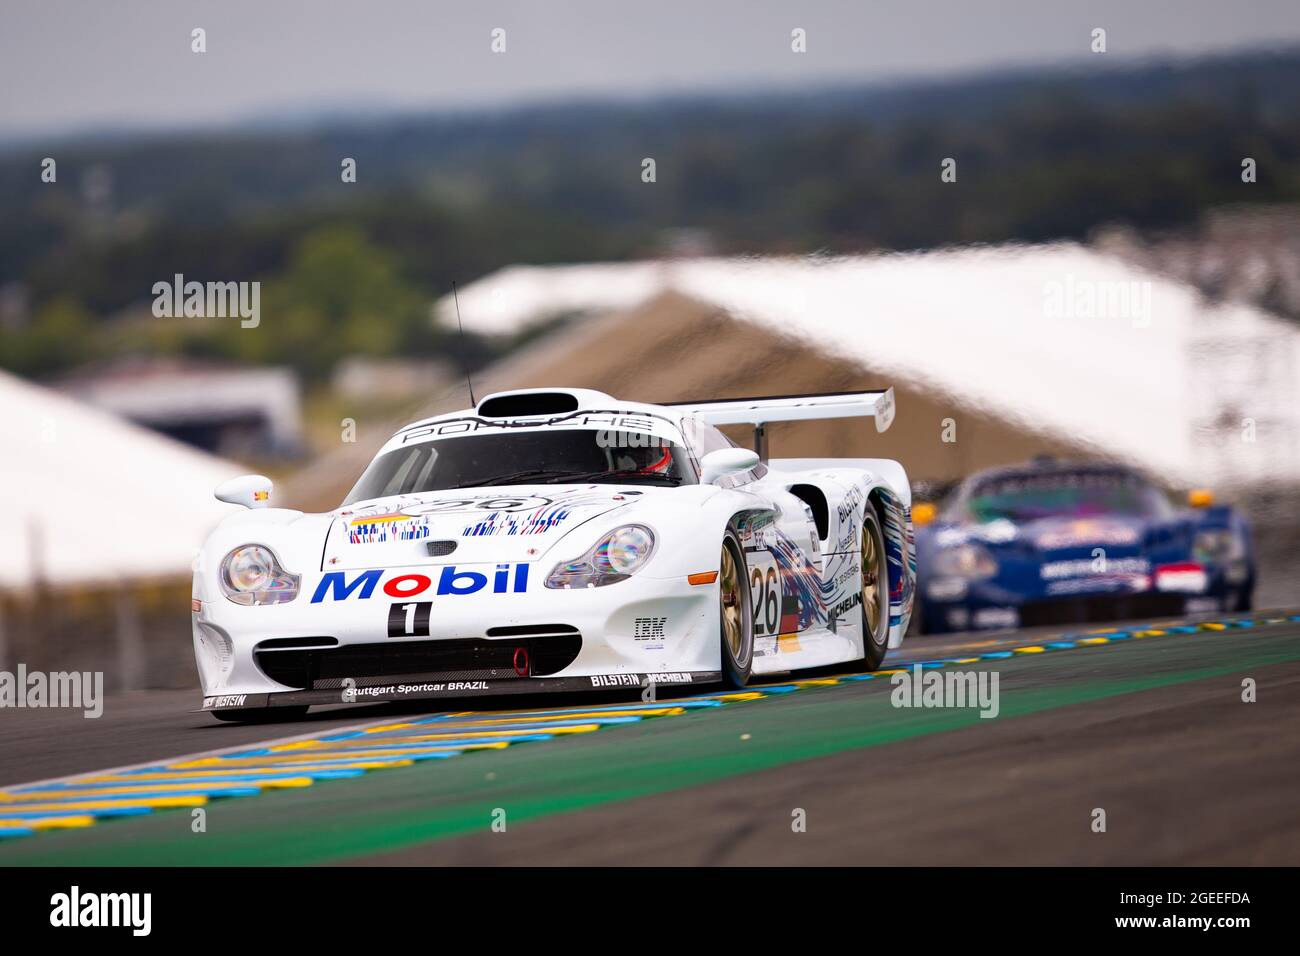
(72, 64)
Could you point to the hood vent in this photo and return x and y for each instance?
(437, 549)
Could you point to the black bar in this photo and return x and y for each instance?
(244, 909)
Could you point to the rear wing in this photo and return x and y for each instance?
(875, 403)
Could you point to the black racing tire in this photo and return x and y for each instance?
(929, 623)
(735, 636)
(874, 606)
(260, 715)
(1245, 600)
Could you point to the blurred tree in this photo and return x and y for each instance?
(340, 295)
(1043, 155)
(61, 335)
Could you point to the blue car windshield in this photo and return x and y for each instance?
(1082, 494)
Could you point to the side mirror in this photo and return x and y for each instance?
(923, 513)
(726, 461)
(251, 491)
(1200, 498)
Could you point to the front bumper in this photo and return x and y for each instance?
(985, 605)
(626, 635)
(417, 689)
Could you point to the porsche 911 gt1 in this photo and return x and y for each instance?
(559, 540)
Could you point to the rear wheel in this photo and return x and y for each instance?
(736, 623)
(260, 715)
(875, 592)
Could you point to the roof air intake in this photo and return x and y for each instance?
(521, 404)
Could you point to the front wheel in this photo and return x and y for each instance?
(875, 592)
(736, 622)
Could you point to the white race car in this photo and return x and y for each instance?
(559, 540)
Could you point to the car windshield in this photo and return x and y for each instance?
(1080, 494)
(532, 457)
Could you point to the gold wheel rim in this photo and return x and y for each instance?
(732, 606)
(872, 605)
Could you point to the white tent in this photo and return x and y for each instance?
(1057, 339)
(91, 499)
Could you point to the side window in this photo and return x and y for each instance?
(705, 438)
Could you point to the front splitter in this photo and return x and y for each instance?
(417, 687)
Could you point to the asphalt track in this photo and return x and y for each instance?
(1145, 722)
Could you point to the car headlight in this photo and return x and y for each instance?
(969, 561)
(615, 557)
(1217, 546)
(251, 575)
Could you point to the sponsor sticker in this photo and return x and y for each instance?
(451, 581)
(1053, 570)
(225, 700)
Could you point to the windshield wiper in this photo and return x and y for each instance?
(553, 475)
(598, 476)
(538, 473)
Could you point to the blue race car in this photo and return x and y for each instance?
(1053, 542)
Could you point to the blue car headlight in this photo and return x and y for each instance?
(1217, 546)
(970, 561)
(252, 575)
(615, 557)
